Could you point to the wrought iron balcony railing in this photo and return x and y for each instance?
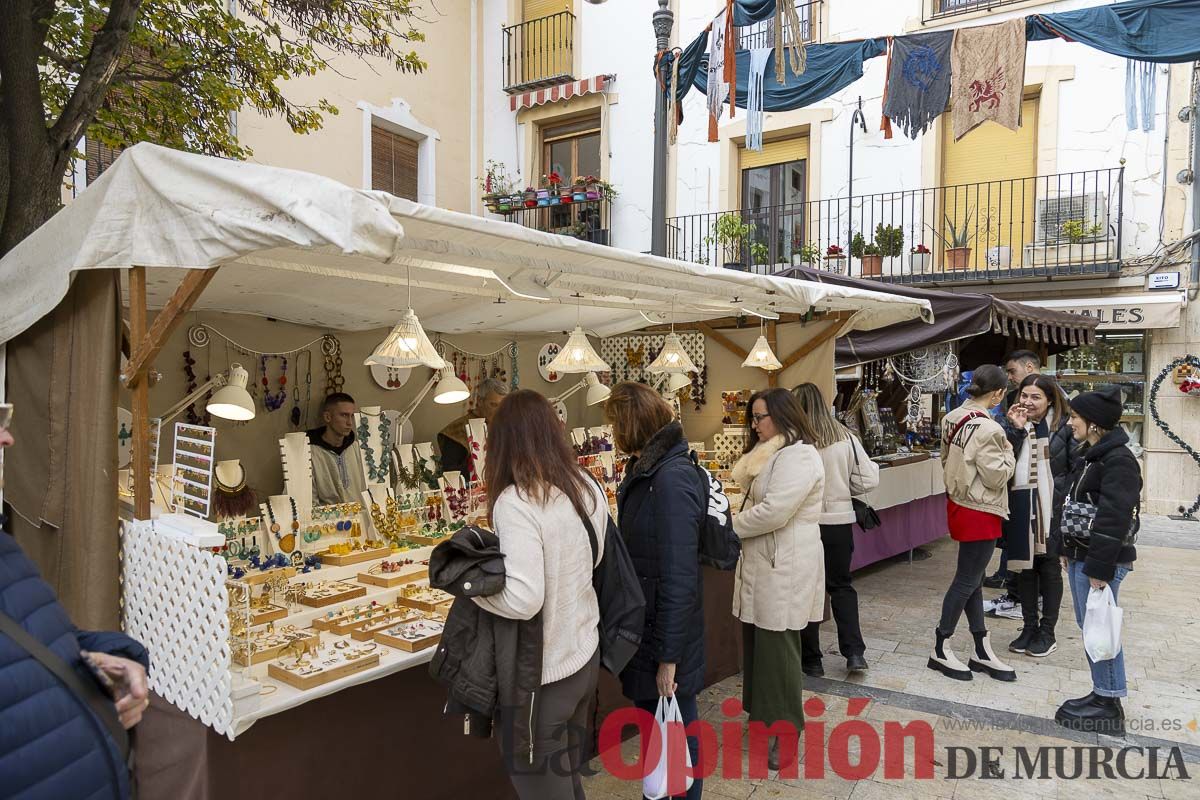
(1064, 224)
(539, 52)
(940, 9)
(762, 34)
(589, 220)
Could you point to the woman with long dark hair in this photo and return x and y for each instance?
(779, 585)
(849, 473)
(538, 496)
(1107, 478)
(1030, 537)
(978, 462)
(660, 507)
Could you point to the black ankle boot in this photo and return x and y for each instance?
(1099, 715)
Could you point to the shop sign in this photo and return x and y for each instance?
(1122, 312)
(1163, 280)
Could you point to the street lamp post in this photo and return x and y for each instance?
(663, 20)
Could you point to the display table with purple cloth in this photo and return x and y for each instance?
(911, 502)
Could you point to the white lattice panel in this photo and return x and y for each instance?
(728, 445)
(630, 355)
(174, 601)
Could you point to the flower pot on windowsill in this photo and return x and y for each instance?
(504, 204)
(958, 258)
(579, 192)
(919, 263)
(872, 266)
(530, 199)
(566, 196)
(543, 197)
(999, 257)
(491, 201)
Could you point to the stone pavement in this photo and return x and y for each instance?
(899, 605)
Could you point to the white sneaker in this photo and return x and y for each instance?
(1011, 612)
(1001, 603)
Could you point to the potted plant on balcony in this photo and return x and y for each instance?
(554, 184)
(888, 243)
(606, 190)
(999, 255)
(919, 259)
(497, 186)
(804, 254)
(592, 188)
(579, 189)
(835, 258)
(957, 242)
(530, 197)
(730, 234)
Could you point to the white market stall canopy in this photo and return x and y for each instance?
(306, 249)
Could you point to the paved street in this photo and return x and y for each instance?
(899, 604)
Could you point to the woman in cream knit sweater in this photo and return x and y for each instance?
(539, 498)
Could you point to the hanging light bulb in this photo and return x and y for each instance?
(407, 345)
(678, 381)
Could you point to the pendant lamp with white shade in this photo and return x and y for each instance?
(407, 345)
(672, 358)
(761, 355)
(578, 355)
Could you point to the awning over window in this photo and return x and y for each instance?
(564, 91)
(1130, 312)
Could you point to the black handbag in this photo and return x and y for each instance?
(865, 516)
(96, 704)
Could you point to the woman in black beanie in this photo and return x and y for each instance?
(1105, 475)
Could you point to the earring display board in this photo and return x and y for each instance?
(630, 355)
(296, 452)
(548, 353)
(390, 378)
(192, 484)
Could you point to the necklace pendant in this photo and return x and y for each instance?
(275, 527)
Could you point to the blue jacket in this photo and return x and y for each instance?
(660, 508)
(49, 748)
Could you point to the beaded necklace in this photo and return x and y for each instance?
(376, 473)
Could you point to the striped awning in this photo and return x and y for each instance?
(563, 91)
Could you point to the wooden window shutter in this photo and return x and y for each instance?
(99, 158)
(394, 163)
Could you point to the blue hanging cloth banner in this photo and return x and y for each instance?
(830, 68)
(918, 82)
(1159, 31)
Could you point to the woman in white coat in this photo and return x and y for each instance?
(779, 585)
(849, 473)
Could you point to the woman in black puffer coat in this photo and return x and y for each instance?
(1106, 474)
(660, 508)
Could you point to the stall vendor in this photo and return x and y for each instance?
(337, 470)
(452, 441)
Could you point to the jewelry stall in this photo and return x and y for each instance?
(294, 630)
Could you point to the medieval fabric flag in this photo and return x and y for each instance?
(988, 76)
(718, 89)
(918, 82)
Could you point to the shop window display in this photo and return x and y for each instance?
(1114, 359)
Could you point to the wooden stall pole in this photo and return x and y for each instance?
(813, 344)
(140, 389)
(773, 376)
(722, 340)
(145, 344)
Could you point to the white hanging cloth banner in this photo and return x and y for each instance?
(1141, 86)
(754, 98)
(718, 89)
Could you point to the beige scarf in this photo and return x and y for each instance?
(751, 464)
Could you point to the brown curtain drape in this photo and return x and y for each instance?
(61, 475)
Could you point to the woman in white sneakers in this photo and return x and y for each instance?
(978, 462)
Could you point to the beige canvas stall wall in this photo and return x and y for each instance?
(256, 443)
(725, 372)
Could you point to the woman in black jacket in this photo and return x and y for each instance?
(660, 508)
(1107, 475)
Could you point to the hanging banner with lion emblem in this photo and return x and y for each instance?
(987, 76)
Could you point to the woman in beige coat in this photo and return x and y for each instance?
(779, 585)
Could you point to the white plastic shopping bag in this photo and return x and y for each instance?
(1102, 625)
(670, 774)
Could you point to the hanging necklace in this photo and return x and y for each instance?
(286, 542)
(273, 401)
(376, 473)
(295, 415)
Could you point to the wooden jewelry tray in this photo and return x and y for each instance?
(356, 557)
(406, 574)
(270, 613)
(349, 593)
(325, 675)
(366, 631)
(439, 598)
(409, 645)
(310, 640)
(255, 578)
